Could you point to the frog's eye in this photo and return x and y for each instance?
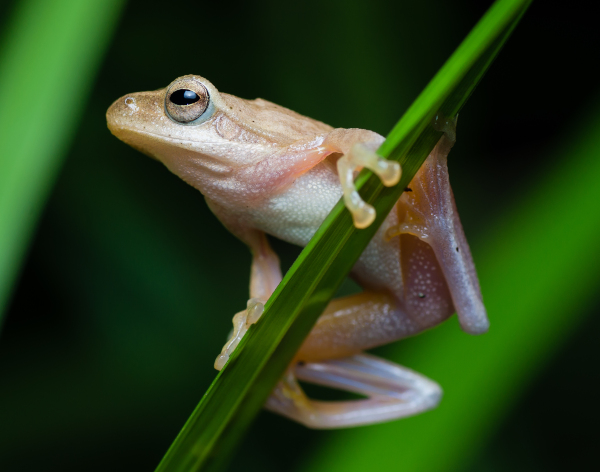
(186, 100)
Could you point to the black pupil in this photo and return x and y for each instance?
(184, 97)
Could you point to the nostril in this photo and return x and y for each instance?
(131, 104)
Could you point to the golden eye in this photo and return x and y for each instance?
(186, 100)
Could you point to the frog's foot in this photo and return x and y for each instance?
(241, 323)
(361, 155)
(392, 392)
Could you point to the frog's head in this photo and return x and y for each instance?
(184, 126)
(170, 117)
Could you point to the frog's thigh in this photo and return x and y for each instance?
(355, 323)
(392, 392)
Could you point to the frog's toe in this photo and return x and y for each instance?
(362, 213)
(241, 323)
(392, 392)
(361, 155)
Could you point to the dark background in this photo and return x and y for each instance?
(130, 284)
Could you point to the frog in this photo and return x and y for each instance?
(267, 171)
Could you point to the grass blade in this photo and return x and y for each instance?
(48, 57)
(242, 387)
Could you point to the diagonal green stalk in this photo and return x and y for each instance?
(241, 388)
(48, 57)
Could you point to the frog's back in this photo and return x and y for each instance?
(276, 122)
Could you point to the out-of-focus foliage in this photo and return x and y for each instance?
(129, 287)
(48, 58)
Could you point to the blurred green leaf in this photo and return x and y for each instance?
(48, 58)
(242, 387)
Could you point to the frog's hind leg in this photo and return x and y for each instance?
(392, 392)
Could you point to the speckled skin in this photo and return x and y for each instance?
(266, 169)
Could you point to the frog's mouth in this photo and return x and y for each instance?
(437, 267)
(133, 139)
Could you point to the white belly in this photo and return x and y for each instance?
(297, 213)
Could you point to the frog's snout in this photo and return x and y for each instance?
(130, 118)
(135, 111)
(122, 114)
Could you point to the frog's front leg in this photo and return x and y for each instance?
(392, 392)
(359, 150)
(265, 275)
